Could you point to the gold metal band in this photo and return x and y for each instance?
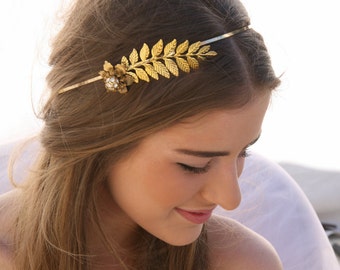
(132, 70)
(80, 84)
(226, 35)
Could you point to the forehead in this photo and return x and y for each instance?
(214, 128)
(251, 112)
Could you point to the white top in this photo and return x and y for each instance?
(274, 206)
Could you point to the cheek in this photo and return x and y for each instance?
(171, 186)
(153, 183)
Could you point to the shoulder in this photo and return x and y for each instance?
(8, 208)
(7, 215)
(233, 246)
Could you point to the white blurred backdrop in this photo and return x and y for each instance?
(302, 36)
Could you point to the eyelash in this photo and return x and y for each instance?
(195, 170)
(244, 154)
(205, 169)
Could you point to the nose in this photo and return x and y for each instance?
(222, 187)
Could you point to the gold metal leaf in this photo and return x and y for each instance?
(161, 69)
(107, 66)
(182, 48)
(125, 61)
(129, 80)
(193, 63)
(144, 52)
(151, 71)
(169, 48)
(171, 66)
(157, 48)
(142, 74)
(211, 53)
(193, 48)
(204, 49)
(134, 76)
(183, 64)
(133, 57)
(164, 61)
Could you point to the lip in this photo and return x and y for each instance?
(195, 216)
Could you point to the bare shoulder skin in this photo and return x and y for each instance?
(233, 246)
(7, 210)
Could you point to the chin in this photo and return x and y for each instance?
(183, 238)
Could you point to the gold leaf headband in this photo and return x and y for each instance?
(164, 60)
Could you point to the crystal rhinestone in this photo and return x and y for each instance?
(112, 83)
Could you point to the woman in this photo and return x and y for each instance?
(128, 177)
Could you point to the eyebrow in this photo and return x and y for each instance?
(209, 154)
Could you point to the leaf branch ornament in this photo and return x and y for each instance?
(158, 61)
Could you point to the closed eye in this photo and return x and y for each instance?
(195, 170)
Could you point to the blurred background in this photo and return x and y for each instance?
(302, 36)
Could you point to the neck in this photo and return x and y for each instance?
(113, 239)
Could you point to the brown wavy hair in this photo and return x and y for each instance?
(88, 129)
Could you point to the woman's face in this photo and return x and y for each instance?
(175, 178)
